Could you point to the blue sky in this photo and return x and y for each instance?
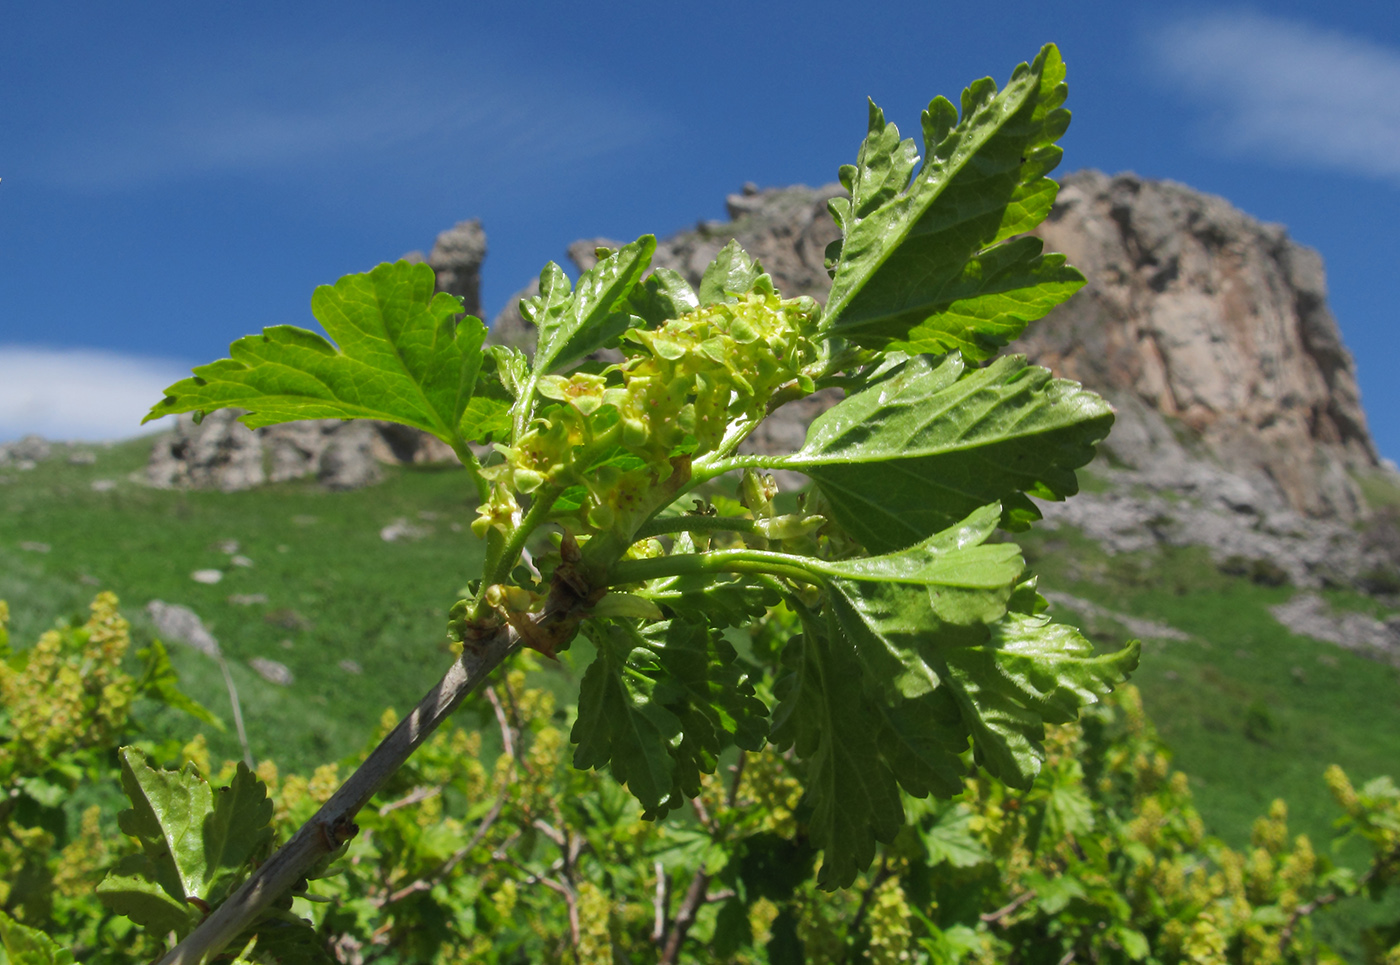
(178, 175)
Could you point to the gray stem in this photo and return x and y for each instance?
(333, 824)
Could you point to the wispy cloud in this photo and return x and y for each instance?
(79, 394)
(340, 108)
(1286, 90)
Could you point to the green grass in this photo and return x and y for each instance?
(335, 590)
(1380, 489)
(1250, 711)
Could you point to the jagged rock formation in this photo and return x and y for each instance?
(456, 260)
(1239, 424)
(1211, 334)
(222, 453)
(1239, 421)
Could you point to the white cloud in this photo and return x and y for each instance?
(1288, 91)
(79, 394)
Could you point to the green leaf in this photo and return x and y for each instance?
(928, 251)
(1029, 672)
(131, 889)
(918, 654)
(990, 302)
(240, 827)
(160, 681)
(573, 323)
(719, 601)
(661, 706)
(29, 946)
(662, 295)
(167, 815)
(732, 273)
(951, 840)
(619, 722)
(401, 357)
(930, 443)
(825, 715)
(901, 608)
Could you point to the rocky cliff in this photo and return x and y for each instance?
(1207, 329)
(1239, 426)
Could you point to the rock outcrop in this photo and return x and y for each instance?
(1239, 426)
(1210, 332)
(1239, 420)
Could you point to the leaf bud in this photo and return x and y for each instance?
(791, 526)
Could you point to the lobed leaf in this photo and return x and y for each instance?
(825, 715)
(167, 816)
(131, 889)
(661, 705)
(239, 828)
(1031, 671)
(574, 322)
(926, 250)
(399, 355)
(732, 272)
(931, 442)
(920, 652)
(30, 946)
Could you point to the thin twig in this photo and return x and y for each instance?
(685, 917)
(416, 796)
(562, 887)
(237, 707)
(507, 740)
(703, 814)
(658, 903)
(445, 869)
(333, 824)
(738, 770)
(995, 917)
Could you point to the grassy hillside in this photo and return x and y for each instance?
(333, 590)
(1252, 711)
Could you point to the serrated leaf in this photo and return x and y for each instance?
(900, 608)
(160, 681)
(29, 946)
(951, 840)
(660, 706)
(662, 295)
(574, 322)
(826, 717)
(399, 355)
(239, 828)
(732, 272)
(928, 249)
(620, 724)
(1029, 672)
(930, 443)
(167, 815)
(989, 303)
(131, 889)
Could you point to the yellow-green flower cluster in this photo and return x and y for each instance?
(679, 390)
